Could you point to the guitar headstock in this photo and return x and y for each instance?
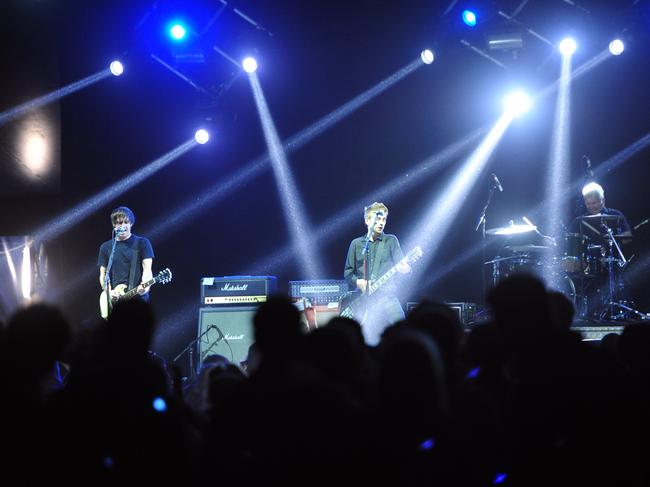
(164, 276)
(414, 254)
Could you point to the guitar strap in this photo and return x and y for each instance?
(135, 258)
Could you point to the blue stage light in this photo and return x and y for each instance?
(178, 31)
(159, 404)
(201, 136)
(117, 68)
(249, 64)
(469, 18)
(616, 47)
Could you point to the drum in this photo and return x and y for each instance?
(596, 263)
(522, 264)
(574, 258)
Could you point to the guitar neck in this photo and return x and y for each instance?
(134, 291)
(376, 284)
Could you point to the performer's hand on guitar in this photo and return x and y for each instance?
(362, 284)
(142, 290)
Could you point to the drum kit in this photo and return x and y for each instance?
(587, 266)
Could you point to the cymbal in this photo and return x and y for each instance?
(527, 248)
(600, 217)
(511, 230)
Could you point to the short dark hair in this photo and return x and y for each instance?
(122, 212)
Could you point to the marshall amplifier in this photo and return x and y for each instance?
(237, 290)
(323, 292)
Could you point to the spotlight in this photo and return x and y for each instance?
(116, 68)
(177, 32)
(568, 46)
(469, 18)
(616, 47)
(201, 136)
(517, 103)
(427, 56)
(249, 64)
(159, 404)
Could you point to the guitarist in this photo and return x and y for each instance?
(369, 257)
(132, 257)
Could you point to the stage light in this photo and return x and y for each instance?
(517, 103)
(116, 68)
(427, 56)
(159, 404)
(616, 47)
(469, 18)
(568, 46)
(178, 32)
(249, 64)
(201, 136)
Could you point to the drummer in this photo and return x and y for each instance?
(594, 198)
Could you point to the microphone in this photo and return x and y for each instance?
(120, 229)
(497, 184)
(221, 337)
(590, 173)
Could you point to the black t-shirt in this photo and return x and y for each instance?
(124, 250)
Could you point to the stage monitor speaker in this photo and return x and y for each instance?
(226, 331)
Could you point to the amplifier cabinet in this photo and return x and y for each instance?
(226, 331)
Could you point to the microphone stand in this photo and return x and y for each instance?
(190, 348)
(107, 278)
(366, 248)
(481, 224)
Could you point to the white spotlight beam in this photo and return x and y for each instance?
(221, 189)
(352, 213)
(558, 177)
(10, 261)
(433, 225)
(291, 199)
(26, 273)
(609, 166)
(15, 112)
(73, 216)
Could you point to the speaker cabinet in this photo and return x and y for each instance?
(226, 331)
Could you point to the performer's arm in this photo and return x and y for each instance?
(102, 276)
(147, 275)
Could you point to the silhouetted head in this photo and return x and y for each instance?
(562, 309)
(520, 307)
(441, 323)
(35, 338)
(277, 328)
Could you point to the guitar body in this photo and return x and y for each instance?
(355, 304)
(105, 306)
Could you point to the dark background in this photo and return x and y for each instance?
(313, 57)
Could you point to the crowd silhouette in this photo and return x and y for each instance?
(519, 399)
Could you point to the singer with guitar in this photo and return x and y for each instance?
(128, 259)
(369, 258)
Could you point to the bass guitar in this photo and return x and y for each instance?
(163, 277)
(355, 304)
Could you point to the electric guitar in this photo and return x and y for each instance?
(355, 304)
(163, 277)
